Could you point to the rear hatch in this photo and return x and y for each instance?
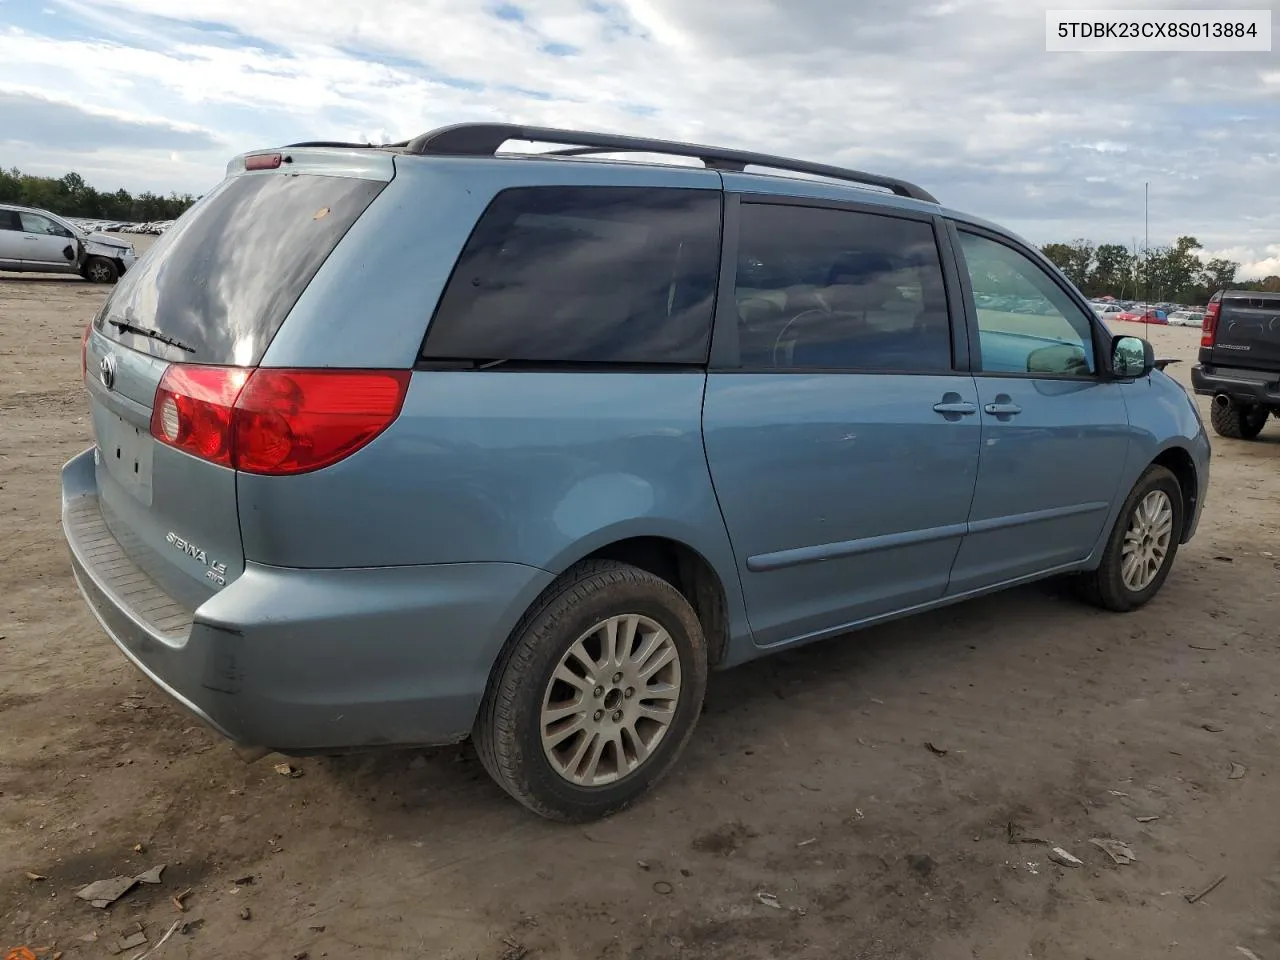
(1247, 332)
(202, 306)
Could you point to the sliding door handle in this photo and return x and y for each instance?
(958, 406)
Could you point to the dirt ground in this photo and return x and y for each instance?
(808, 819)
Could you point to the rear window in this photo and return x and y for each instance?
(221, 280)
(1257, 301)
(584, 275)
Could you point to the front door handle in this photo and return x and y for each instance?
(1003, 406)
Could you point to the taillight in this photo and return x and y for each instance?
(274, 422)
(1209, 327)
(84, 350)
(194, 410)
(292, 421)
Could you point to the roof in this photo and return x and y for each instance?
(1241, 294)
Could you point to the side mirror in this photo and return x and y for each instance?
(1131, 357)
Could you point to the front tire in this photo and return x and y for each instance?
(1140, 551)
(101, 270)
(596, 693)
(1237, 421)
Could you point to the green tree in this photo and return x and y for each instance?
(1270, 284)
(1170, 273)
(1217, 274)
(1112, 274)
(1175, 273)
(1074, 259)
(71, 196)
(10, 186)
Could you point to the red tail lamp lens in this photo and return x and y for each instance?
(1209, 326)
(275, 422)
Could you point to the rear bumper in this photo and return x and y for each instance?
(1246, 386)
(308, 660)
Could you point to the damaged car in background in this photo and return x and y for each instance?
(37, 241)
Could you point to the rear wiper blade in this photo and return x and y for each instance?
(127, 327)
(469, 363)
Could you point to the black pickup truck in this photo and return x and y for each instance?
(1240, 361)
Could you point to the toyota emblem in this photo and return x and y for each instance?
(108, 370)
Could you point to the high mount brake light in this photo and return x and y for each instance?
(263, 161)
(274, 422)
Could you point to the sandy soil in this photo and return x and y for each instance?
(809, 780)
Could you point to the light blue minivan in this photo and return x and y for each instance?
(426, 441)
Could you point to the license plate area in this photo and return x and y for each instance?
(126, 453)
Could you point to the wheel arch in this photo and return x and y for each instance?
(688, 571)
(1179, 462)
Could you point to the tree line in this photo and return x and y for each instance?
(1171, 274)
(70, 196)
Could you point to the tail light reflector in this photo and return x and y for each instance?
(1209, 327)
(84, 350)
(274, 422)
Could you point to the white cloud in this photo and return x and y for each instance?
(1254, 263)
(1105, 146)
(958, 94)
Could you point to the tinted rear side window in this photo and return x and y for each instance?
(221, 280)
(824, 289)
(584, 275)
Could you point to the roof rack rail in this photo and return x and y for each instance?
(343, 144)
(485, 139)
(326, 143)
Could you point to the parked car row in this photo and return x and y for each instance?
(1010, 304)
(1187, 318)
(1160, 313)
(1140, 315)
(118, 226)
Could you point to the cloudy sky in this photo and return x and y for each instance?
(958, 95)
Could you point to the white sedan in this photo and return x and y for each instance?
(1186, 318)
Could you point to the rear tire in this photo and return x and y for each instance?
(1140, 551)
(575, 765)
(1237, 421)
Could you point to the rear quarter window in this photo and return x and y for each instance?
(584, 275)
(221, 280)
